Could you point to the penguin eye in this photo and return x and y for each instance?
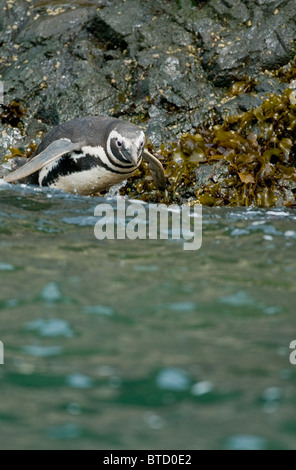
(119, 143)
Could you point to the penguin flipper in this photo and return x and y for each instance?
(55, 150)
(156, 169)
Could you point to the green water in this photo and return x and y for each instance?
(121, 344)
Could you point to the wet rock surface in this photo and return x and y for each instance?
(246, 37)
(167, 65)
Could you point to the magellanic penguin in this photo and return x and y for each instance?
(88, 155)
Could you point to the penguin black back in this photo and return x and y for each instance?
(93, 130)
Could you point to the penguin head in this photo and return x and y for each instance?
(126, 143)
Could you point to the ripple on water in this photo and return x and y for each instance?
(268, 229)
(154, 421)
(244, 299)
(290, 234)
(11, 303)
(82, 221)
(74, 408)
(148, 268)
(42, 351)
(256, 226)
(6, 267)
(174, 379)
(52, 327)
(238, 299)
(98, 310)
(202, 388)
(78, 380)
(245, 442)
(271, 398)
(65, 431)
(237, 232)
(51, 293)
(182, 307)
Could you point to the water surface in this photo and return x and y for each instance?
(128, 344)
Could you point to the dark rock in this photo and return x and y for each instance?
(165, 65)
(48, 115)
(64, 24)
(109, 38)
(246, 37)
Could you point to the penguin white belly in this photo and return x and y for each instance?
(88, 182)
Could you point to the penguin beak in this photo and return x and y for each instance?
(134, 153)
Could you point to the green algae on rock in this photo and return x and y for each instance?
(256, 150)
(26, 152)
(249, 159)
(12, 113)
